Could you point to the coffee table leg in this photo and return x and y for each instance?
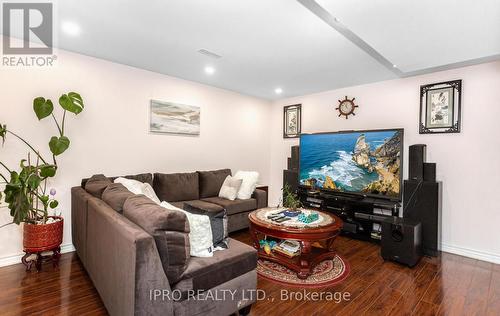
(305, 263)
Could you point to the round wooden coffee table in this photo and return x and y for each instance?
(316, 239)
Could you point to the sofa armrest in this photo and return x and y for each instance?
(79, 200)
(261, 197)
(124, 264)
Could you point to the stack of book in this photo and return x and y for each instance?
(289, 248)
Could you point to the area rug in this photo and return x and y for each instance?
(327, 273)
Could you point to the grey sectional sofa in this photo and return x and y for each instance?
(137, 253)
(201, 189)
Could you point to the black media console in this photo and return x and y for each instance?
(362, 216)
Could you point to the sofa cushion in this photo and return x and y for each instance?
(169, 228)
(142, 177)
(176, 186)
(250, 179)
(230, 187)
(206, 273)
(97, 184)
(234, 207)
(139, 208)
(211, 181)
(115, 196)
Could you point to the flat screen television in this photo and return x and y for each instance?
(367, 163)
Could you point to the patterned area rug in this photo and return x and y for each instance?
(327, 273)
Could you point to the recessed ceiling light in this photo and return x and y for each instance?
(70, 28)
(278, 91)
(209, 70)
(395, 66)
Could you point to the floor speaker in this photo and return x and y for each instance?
(422, 203)
(401, 241)
(291, 178)
(430, 171)
(416, 159)
(295, 158)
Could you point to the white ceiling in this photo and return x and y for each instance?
(267, 44)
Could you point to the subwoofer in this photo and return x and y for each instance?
(416, 159)
(401, 241)
(422, 203)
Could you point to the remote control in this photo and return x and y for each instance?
(283, 219)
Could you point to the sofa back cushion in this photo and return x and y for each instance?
(115, 196)
(211, 182)
(175, 187)
(169, 228)
(142, 177)
(96, 185)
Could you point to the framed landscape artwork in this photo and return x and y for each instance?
(440, 107)
(174, 118)
(291, 121)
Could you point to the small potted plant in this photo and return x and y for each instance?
(26, 193)
(291, 201)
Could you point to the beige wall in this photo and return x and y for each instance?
(111, 135)
(467, 163)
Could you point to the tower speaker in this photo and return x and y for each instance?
(291, 178)
(430, 171)
(295, 158)
(422, 203)
(416, 159)
(401, 241)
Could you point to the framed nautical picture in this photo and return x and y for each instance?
(440, 107)
(174, 118)
(291, 121)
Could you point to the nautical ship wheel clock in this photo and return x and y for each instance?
(346, 107)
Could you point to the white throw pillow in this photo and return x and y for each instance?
(230, 188)
(137, 187)
(250, 179)
(200, 232)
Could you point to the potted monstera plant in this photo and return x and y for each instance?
(26, 190)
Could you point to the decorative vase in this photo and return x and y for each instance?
(38, 238)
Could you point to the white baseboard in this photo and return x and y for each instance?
(475, 254)
(14, 259)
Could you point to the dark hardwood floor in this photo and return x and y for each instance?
(448, 285)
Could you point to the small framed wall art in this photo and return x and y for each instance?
(292, 121)
(440, 107)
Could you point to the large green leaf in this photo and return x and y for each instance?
(21, 208)
(58, 145)
(33, 181)
(72, 102)
(47, 171)
(42, 107)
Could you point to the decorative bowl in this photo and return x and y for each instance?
(292, 213)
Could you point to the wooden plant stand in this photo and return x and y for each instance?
(40, 258)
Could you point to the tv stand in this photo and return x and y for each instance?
(362, 215)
